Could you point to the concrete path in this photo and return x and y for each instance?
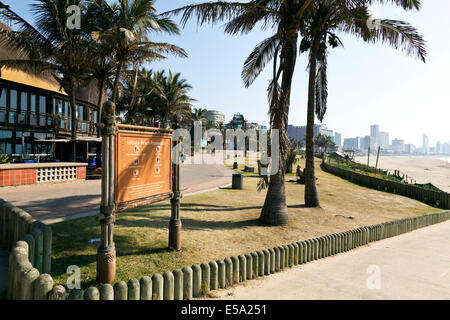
(3, 273)
(57, 202)
(415, 265)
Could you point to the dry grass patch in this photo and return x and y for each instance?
(222, 223)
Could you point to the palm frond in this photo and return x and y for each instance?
(245, 22)
(211, 12)
(399, 35)
(321, 88)
(257, 60)
(263, 183)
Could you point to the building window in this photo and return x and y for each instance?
(42, 110)
(33, 117)
(5, 142)
(12, 106)
(23, 108)
(3, 105)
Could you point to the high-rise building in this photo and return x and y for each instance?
(366, 142)
(374, 133)
(425, 144)
(215, 117)
(438, 147)
(383, 140)
(338, 139)
(299, 132)
(409, 148)
(351, 144)
(238, 122)
(398, 145)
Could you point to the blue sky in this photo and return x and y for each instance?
(368, 84)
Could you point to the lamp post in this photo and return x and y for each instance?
(175, 225)
(106, 254)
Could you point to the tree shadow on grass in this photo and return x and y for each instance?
(190, 207)
(188, 223)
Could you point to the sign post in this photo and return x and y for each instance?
(137, 170)
(175, 225)
(106, 255)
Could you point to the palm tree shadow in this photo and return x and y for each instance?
(297, 206)
(188, 223)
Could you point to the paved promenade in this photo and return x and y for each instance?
(415, 265)
(56, 202)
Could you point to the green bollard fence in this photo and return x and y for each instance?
(168, 285)
(92, 293)
(197, 281)
(106, 292)
(134, 289)
(145, 284)
(157, 287)
(120, 291)
(188, 283)
(58, 293)
(177, 284)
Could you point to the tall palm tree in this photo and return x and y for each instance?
(132, 22)
(284, 18)
(322, 23)
(99, 17)
(49, 47)
(154, 95)
(169, 96)
(137, 90)
(198, 114)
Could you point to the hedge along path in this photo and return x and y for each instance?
(430, 197)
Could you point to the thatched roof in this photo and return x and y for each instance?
(47, 81)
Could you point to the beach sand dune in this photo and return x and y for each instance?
(421, 169)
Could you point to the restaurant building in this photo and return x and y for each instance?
(35, 116)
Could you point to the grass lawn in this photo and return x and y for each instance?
(222, 223)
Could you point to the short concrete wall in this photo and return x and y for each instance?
(31, 173)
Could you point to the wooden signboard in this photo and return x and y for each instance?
(143, 166)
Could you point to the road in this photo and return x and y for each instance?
(415, 265)
(55, 202)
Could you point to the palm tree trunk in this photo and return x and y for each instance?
(116, 82)
(311, 195)
(99, 120)
(274, 211)
(74, 120)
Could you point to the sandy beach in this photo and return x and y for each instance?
(421, 169)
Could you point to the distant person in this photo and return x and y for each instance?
(300, 175)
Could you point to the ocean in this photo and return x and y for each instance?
(444, 158)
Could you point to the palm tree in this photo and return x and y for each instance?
(170, 96)
(132, 22)
(324, 19)
(154, 95)
(137, 89)
(284, 18)
(198, 114)
(99, 17)
(50, 47)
